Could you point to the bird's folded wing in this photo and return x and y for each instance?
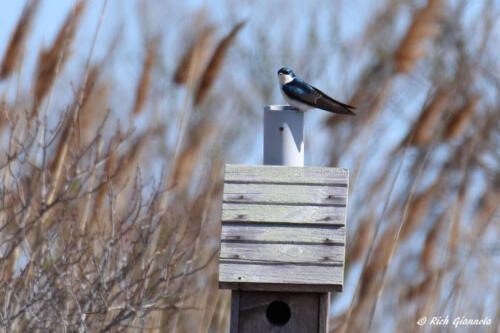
(307, 94)
(301, 91)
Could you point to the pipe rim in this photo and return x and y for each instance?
(278, 107)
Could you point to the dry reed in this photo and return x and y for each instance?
(114, 256)
(94, 73)
(458, 123)
(364, 233)
(379, 259)
(425, 128)
(145, 80)
(196, 57)
(423, 288)
(423, 27)
(418, 210)
(185, 164)
(215, 65)
(93, 113)
(14, 51)
(51, 60)
(428, 257)
(454, 234)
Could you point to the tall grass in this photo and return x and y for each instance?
(110, 207)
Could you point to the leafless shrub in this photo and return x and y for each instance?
(110, 222)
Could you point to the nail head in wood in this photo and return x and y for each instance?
(282, 245)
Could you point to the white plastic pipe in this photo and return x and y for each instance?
(283, 136)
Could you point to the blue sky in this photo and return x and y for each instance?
(123, 13)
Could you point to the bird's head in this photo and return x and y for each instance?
(285, 75)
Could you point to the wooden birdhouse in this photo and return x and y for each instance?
(282, 245)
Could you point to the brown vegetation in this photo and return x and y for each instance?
(423, 27)
(110, 224)
(215, 65)
(13, 54)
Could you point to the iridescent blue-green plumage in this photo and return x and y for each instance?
(302, 95)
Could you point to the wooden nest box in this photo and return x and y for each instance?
(282, 245)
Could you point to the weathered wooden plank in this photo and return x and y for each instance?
(285, 194)
(283, 253)
(286, 274)
(283, 226)
(252, 232)
(235, 311)
(284, 287)
(286, 175)
(324, 312)
(332, 215)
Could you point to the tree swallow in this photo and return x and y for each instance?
(303, 96)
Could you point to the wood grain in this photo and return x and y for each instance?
(281, 287)
(285, 273)
(283, 226)
(283, 253)
(285, 194)
(324, 312)
(235, 311)
(285, 175)
(326, 215)
(286, 233)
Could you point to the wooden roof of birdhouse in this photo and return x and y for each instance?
(283, 228)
